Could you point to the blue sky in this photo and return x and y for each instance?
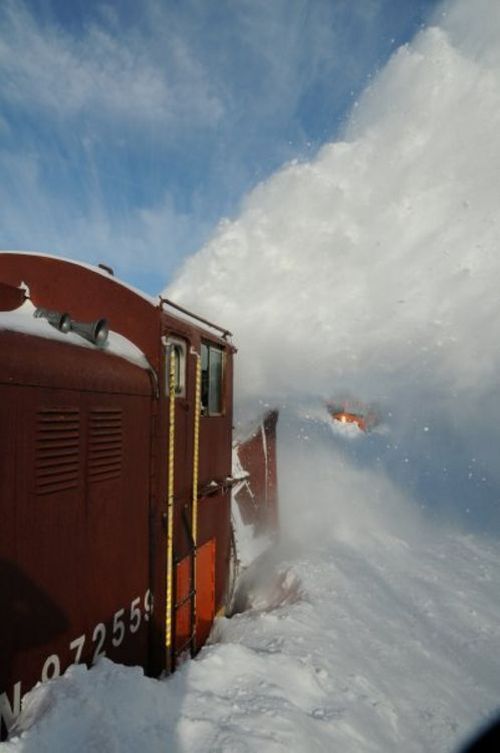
(128, 130)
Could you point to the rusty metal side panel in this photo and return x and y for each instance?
(74, 539)
(35, 361)
(85, 491)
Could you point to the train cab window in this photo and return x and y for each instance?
(212, 359)
(178, 348)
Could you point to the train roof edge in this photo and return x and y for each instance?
(89, 293)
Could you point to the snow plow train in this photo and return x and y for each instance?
(116, 475)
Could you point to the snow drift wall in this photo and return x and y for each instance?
(373, 269)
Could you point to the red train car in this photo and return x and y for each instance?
(115, 475)
(254, 468)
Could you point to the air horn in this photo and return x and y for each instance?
(95, 332)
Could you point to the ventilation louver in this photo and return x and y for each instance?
(57, 450)
(105, 444)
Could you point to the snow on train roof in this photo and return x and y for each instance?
(22, 320)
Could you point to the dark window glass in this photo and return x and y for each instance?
(211, 379)
(176, 349)
(204, 379)
(215, 381)
(179, 386)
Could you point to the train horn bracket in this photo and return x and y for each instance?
(60, 321)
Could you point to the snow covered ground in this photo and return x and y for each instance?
(378, 655)
(367, 629)
(371, 271)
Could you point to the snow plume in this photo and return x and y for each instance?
(373, 269)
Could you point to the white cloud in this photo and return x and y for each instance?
(98, 73)
(141, 241)
(243, 66)
(190, 101)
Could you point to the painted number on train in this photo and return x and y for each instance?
(124, 620)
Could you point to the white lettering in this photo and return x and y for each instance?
(98, 637)
(135, 615)
(51, 668)
(8, 713)
(148, 604)
(77, 646)
(118, 628)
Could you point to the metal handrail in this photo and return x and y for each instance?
(225, 332)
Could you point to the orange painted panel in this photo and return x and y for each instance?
(183, 612)
(205, 590)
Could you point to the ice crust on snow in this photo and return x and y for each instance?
(371, 270)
